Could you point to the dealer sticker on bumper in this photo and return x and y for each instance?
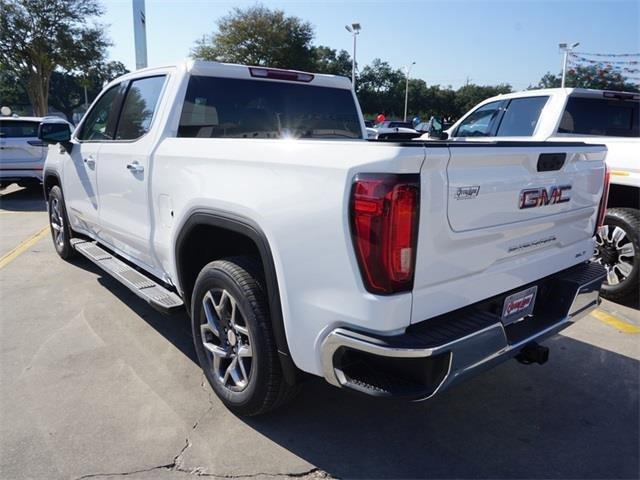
(519, 305)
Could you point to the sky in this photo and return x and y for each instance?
(452, 42)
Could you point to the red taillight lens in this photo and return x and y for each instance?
(602, 209)
(384, 228)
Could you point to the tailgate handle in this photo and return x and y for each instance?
(548, 162)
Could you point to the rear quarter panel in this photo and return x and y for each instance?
(297, 192)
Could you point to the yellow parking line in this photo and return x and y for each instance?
(23, 247)
(615, 322)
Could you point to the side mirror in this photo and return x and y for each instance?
(55, 132)
(435, 127)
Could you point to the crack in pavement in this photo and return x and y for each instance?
(177, 464)
(312, 473)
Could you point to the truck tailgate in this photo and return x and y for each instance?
(500, 215)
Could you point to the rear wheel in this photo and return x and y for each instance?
(618, 250)
(60, 232)
(233, 337)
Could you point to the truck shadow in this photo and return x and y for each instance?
(174, 328)
(17, 199)
(578, 416)
(575, 417)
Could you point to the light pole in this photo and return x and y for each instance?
(566, 48)
(353, 29)
(407, 71)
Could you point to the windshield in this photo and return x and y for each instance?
(235, 108)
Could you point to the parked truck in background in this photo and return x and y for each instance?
(251, 197)
(591, 116)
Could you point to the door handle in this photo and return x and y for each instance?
(135, 167)
(89, 161)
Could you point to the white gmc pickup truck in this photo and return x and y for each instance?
(591, 116)
(251, 196)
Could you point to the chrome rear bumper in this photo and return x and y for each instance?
(439, 353)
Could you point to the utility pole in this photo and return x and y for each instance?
(140, 33)
(353, 29)
(407, 71)
(567, 49)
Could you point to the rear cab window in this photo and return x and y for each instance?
(606, 117)
(18, 129)
(241, 108)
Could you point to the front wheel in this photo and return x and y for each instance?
(233, 337)
(60, 232)
(618, 250)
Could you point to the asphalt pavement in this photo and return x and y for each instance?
(96, 384)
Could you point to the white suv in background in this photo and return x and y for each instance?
(22, 154)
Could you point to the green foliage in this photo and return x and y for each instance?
(13, 93)
(381, 89)
(40, 36)
(328, 60)
(259, 36)
(589, 77)
(468, 96)
(67, 90)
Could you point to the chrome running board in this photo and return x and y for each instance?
(144, 287)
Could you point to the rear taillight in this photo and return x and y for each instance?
(384, 228)
(602, 209)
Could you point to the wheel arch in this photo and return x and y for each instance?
(238, 227)
(623, 196)
(49, 180)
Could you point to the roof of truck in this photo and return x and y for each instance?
(583, 92)
(232, 70)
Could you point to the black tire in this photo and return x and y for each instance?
(609, 248)
(263, 387)
(59, 224)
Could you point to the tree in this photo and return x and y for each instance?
(468, 96)
(13, 93)
(381, 88)
(589, 77)
(328, 60)
(259, 36)
(67, 90)
(40, 36)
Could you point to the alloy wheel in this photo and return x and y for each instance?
(57, 222)
(226, 339)
(614, 251)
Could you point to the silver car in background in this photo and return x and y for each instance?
(22, 154)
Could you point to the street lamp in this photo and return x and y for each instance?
(353, 29)
(566, 48)
(407, 71)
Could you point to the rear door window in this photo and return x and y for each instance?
(479, 122)
(236, 108)
(601, 117)
(521, 117)
(18, 129)
(139, 107)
